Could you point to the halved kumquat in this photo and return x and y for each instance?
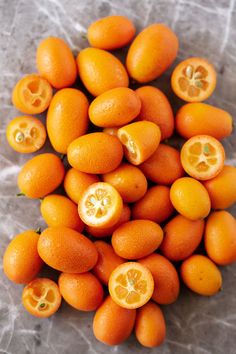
(100, 205)
(41, 297)
(131, 285)
(202, 157)
(194, 79)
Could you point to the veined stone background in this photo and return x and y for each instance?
(195, 325)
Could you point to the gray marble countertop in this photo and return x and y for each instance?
(195, 324)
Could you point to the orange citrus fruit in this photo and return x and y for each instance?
(100, 205)
(32, 94)
(41, 297)
(194, 79)
(131, 285)
(26, 134)
(140, 140)
(202, 157)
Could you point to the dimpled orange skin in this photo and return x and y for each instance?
(164, 166)
(196, 119)
(113, 324)
(67, 118)
(182, 237)
(108, 260)
(190, 198)
(150, 326)
(101, 71)
(155, 205)
(111, 32)
(56, 63)
(95, 153)
(67, 250)
(58, 210)
(76, 182)
(115, 107)
(166, 280)
(220, 237)
(151, 53)
(99, 232)
(129, 181)
(222, 188)
(21, 261)
(136, 239)
(201, 275)
(157, 109)
(41, 175)
(83, 291)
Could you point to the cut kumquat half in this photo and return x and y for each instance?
(100, 205)
(32, 94)
(131, 285)
(41, 297)
(202, 157)
(194, 79)
(26, 134)
(140, 140)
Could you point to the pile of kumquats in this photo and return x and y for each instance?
(134, 207)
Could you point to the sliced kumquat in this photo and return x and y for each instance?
(32, 94)
(26, 134)
(202, 157)
(41, 297)
(131, 285)
(101, 205)
(194, 79)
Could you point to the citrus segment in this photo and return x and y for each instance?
(131, 285)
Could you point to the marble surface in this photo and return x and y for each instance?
(207, 28)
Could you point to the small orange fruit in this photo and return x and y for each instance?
(137, 238)
(110, 72)
(140, 140)
(181, 237)
(129, 181)
(26, 134)
(165, 276)
(76, 182)
(84, 292)
(56, 63)
(193, 79)
(32, 94)
(201, 275)
(21, 261)
(108, 260)
(202, 157)
(41, 297)
(100, 232)
(113, 324)
(67, 118)
(190, 198)
(155, 205)
(131, 285)
(111, 32)
(111, 130)
(164, 166)
(196, 118)
(67, 250)
(222, 188)
(58, 210)
(41, 175)
(220, 237)
(157, 109)
(150, 326)
(115, 107)
(100, 205)
(151, 52)
(95, 153)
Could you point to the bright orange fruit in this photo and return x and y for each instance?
(131, 285)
